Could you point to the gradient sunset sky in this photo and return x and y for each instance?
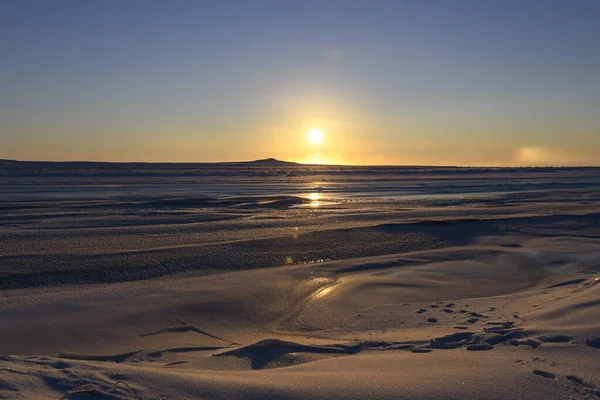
(448, 82)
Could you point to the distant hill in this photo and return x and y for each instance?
(93, 168)
(265, 161)
(271, 161)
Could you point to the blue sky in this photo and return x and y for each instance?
(388, 82)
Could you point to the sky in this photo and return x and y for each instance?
(425, 82)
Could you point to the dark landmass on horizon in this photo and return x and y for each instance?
(8, 163)
(265, 161)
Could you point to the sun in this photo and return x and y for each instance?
(315, 136)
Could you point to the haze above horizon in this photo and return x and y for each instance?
(433, 82)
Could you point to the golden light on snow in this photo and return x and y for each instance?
(315, 136)
(314, 199)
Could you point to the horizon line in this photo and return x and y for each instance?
(283, 162)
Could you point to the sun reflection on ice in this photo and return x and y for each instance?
(326, 289)
(314, 198)
(322, 292)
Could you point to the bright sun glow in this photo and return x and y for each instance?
(315, 136)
